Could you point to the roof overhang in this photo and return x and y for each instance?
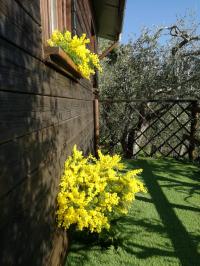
(109, 16)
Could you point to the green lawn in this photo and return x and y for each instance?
(163, 227)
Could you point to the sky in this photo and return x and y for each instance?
(141, 13)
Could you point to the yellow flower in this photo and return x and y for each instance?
(86, 61)
(93, 191)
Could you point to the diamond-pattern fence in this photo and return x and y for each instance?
(159, 127)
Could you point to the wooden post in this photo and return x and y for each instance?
(194, 125)
(96, 123)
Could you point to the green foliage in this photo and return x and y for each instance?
(146, 68)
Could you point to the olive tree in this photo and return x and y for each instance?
(146, 69)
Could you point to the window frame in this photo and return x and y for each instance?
(63, 17)
(66, 16)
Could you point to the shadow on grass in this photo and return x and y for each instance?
(173, 205)
(184, 246)
(173, 240)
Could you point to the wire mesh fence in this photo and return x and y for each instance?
(151, 128)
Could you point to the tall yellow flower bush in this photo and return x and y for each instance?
(86, 61)
(93, 192)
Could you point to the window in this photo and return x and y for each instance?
(55, 14)
(73, 15)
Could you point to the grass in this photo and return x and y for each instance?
(162, 228)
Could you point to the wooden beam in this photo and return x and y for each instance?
(108, 50)
(96, 123)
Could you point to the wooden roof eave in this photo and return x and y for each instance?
(109, 16)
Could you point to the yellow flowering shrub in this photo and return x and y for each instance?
(95, 191)
(86, 61)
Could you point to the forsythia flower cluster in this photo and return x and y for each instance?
(93, 192)
(75, 47)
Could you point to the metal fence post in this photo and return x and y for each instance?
(193, 129)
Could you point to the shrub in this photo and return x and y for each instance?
(75, 47)
(94, 192)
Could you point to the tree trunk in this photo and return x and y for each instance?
(124, 142)
(130, 141)
(127, 144)
(139, 140)
(128, 137)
